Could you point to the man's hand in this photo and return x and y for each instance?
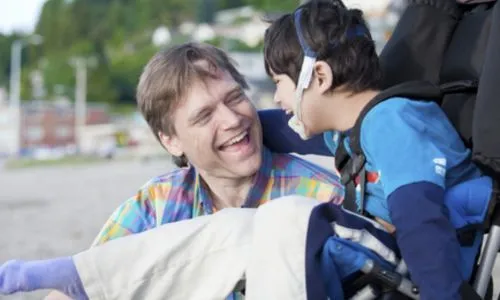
(59, 274)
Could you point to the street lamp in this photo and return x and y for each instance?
(15, 85)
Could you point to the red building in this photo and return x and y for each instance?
(46, 124)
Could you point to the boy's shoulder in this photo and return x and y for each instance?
(403, 113)
(398, 105)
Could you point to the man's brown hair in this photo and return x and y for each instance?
(170, 74)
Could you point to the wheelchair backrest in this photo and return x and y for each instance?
(454, 44)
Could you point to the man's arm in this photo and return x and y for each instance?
(163, 263)
(280, 138)
(127, 219)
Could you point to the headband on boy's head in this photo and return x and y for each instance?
(310, 55)
(307, 68)
(298, 29)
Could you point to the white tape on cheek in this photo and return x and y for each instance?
(298, 127)
(303, 83)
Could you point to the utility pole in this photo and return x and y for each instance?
(15, 73)
(15, 86)
(81, 65)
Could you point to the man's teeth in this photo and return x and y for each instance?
(236, 139)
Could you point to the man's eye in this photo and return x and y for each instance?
(237, 99)
(203, 119)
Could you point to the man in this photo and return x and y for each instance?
(193, 99)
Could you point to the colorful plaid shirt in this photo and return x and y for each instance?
(179, 195)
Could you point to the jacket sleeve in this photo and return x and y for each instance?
(280, 138)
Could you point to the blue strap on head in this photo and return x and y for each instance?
(298, 28)
(352, 32)
(310, 56)
(355, 31)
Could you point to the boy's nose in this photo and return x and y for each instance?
(276, 99)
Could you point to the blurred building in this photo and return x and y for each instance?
(45, 125)
(251, 65)
(53, 125)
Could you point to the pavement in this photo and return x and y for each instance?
(57, 211)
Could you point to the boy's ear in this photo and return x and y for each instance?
(171, 143)
(323, 76)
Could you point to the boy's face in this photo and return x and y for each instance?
(285, 92)
(217, 128)
(285, 97)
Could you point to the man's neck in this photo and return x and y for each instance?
(228, 192)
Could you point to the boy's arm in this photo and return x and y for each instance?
(413, 177)
(427, 239)
(280, 138)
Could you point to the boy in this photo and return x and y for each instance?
(323, 62)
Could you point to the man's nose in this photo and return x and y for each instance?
(229, 118)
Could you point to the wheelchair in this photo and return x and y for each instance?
(452, 44)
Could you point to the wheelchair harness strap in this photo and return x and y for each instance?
(352, 167)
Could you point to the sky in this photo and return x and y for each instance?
(22, 15)
(19, 15)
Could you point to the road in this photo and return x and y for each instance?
(49, 212)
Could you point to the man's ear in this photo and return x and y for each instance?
(171, 143)
(323, 76)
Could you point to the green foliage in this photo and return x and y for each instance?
(118, 34)
(275, 6)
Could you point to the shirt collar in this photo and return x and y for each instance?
(260, 180)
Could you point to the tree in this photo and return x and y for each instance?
(118, 33)
(271, 5)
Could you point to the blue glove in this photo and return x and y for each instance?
(55, 274)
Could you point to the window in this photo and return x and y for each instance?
(34, 134)
(63, 132)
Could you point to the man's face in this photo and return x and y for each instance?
(217, 128)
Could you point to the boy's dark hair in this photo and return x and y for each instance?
(325, 24)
